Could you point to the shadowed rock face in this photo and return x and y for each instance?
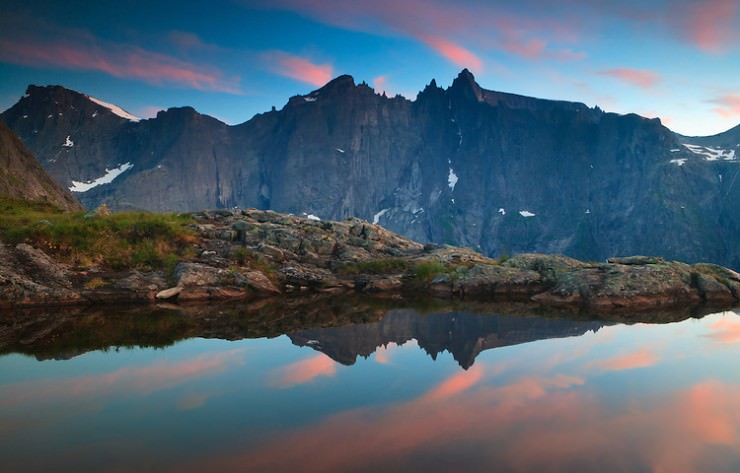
(464, 335)
(497, 172)
(21, 176)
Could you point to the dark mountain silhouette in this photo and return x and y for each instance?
(464, 335)
(497, 172)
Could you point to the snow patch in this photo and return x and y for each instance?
(25, 116)
(451, 179)
(310, 99)
(710, 153)
(110, 175)
(526, 213)
(678, 162)
(115, 109)
(339, 150)
(95, 114)
(376, 217)
(313, 217)
(675, 150)
(68, 143)
(502, 211)
(588, 211)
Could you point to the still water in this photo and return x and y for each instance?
(367, 388)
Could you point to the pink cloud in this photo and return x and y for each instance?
(304, 371)
(451, 30)
(455, 384)
(82, 52)
(728, 105)
(518, 427)
(380, 84)
(298, 68)
(454, 53)
(638, 359)
(727, 329)
(709, 24)
(141, 380)
(638, 77)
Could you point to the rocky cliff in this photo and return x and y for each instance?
(22, 177)
(497, 172)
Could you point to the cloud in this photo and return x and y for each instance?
(709, 24)
(727, 329)
(304, 371)
(141, 380)
(455, 384)
(728, 105)
(533, 424)
(638, 77)
(380, 84)
(454, 53)
(451, 30)
(638, 359)
(77, 50)
(298, 68)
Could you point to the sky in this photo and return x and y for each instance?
(678, 60)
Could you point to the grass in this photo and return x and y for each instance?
(126, 240)
(426, 270)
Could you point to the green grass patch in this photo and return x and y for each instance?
(123, 240)
(426, 270)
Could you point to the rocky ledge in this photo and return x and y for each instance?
(253, 254)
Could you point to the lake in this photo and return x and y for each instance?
(367, 386)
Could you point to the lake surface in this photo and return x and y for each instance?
(367, 387)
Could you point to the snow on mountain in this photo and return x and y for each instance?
(115, 109)
(107, 178)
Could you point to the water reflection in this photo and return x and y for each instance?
(367, 387)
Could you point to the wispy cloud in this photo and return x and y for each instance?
(639, 77)
(298, 68)
(709, 24)
(454, 31)
(49, 46)
(303, 371)
(728, 106)
(638, 359)
(454, 53)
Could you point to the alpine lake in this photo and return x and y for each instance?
(368, 385)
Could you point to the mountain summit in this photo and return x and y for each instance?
(498, 172)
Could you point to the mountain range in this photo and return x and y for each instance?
(497, 172)
(464, 335)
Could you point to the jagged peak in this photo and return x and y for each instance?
(466, 85)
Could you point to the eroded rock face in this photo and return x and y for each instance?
(22, 177)
(251, 254)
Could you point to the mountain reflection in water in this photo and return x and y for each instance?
(366, 385)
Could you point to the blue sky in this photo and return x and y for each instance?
(675, 59)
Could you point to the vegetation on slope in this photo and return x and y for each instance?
(118, 241)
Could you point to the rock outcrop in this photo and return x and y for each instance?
(252, 254)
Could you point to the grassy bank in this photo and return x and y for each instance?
(117, 241)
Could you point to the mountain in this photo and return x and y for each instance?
(464, 335)
(22, 177)
(497, 172)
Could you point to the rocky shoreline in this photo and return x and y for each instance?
(252, 254)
